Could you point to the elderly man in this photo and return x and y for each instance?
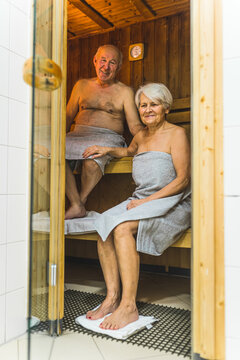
(98, 107)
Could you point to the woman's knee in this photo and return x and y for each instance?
(123, 230)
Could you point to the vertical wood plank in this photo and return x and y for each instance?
(148, 38)
(136, 66)
(161, 51)
(85, 58)
(219, 187)
(124, 74)
(208, 297)
(184, 73)
(174, 56)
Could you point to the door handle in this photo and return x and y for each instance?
(48, 75)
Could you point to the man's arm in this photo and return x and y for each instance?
(131, 113)
(72, 106)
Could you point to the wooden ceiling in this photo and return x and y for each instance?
(91, 17)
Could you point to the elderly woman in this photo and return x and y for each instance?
(155, 215)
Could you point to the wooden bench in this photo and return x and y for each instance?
(124, 166)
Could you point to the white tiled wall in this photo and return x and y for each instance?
(231, 81)
(14, 137)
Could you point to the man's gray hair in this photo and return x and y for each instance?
(155, 92)
(120, 56)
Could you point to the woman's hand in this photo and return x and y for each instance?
(134, 203)
(95, 151)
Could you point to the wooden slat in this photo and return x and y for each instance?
(84, 7)
(148, 65)
(161, 51)
(182, 103)
(184, 242)
(136, 66)
(179, 117)
(174, 56)
(119, 166)
(144, 9)
(184, 41)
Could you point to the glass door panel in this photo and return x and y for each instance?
(45, 72)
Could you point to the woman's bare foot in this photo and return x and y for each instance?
(108, 306)
(75, 211)
(123, 315)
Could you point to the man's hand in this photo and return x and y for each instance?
(95, 151)
(134, 203)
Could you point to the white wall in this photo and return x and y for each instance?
(231, 84)
(14, 138)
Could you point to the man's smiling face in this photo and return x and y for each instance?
(106, 63)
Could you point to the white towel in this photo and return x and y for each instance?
(123, 333)
(41, 223)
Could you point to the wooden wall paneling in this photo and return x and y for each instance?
(174, 56)
(93, 46)
(103, 38)
(148, 38)
(110, 191)
(184, 71)
(179, 117)
(85, 63)
(125, 72)
(161, 51)
(136, 66)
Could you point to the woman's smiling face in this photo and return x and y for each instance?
(152, 113)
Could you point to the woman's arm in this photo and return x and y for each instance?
(96, 151)
(180, 151)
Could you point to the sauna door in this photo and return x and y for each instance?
(45, 73)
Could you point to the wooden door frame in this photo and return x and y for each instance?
(57, 187)
(208, 221)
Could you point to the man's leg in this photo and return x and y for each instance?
(76, 209)
(90, 176)
(128, 263)
(108, 261)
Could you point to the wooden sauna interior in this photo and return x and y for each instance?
(164, 28)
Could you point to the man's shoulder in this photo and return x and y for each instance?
(125, 88)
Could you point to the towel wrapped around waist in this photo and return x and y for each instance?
(84, 136)
(162, 221)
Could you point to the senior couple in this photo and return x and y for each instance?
(158, 211)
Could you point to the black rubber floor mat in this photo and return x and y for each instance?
(172, 333)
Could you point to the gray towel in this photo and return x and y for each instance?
(84, 136)
(162, 221)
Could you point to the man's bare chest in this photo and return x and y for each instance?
(102, 101)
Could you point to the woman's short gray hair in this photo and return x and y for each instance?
(156, 92)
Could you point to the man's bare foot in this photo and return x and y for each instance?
(122, 316)
(108, 306)
(75, 211)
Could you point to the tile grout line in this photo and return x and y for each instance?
(98, 348)
(51, 350)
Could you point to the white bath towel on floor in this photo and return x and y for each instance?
(123, 333)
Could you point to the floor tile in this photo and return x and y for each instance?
(9, 351)
(41, 347)
(122, 350)
(75, 346)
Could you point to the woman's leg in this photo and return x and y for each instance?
(108, 261)
(128, 263)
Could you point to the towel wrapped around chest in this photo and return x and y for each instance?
(162, 221)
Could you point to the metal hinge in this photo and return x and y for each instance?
(52, 274)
